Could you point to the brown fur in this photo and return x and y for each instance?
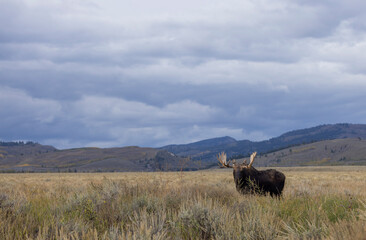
(250, 180)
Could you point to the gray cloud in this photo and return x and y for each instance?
(116, 73)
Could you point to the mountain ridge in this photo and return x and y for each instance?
(30, 156)
(288, 139)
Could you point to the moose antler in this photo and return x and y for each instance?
(222, 159)
(252, 159)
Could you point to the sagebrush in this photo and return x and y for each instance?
(316, 204)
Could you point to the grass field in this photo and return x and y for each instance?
(318, 203)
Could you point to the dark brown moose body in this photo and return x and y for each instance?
(250, 180)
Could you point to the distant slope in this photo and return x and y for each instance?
(200, 151)
(36, 157)
(13, 153)
(324, 153)
(201, 148)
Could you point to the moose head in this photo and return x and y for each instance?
(250, 180)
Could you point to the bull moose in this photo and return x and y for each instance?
(250, 180)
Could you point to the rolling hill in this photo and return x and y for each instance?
(40, 158)
(347, 151)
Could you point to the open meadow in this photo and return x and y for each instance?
(317, 203)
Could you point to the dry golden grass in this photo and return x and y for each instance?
(317, 203)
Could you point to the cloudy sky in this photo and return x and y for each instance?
(149, 73)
